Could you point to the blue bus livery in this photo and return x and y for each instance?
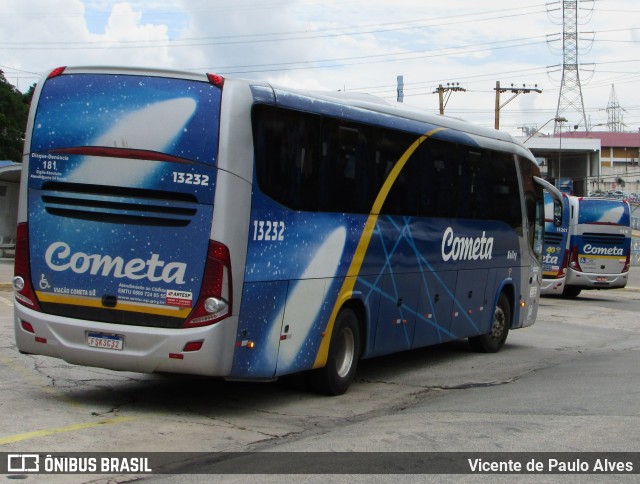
(555, 255)
(599, 246)
(184, 223)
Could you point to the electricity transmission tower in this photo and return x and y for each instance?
(570, 98)
(614, 113)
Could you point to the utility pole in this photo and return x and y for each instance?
(516, 92)
(451, 87)
(400, 97)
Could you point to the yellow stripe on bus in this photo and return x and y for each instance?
(356, 264)
(175, 312)
(597, 256)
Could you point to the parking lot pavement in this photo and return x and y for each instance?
(634, 278)
(6, 273)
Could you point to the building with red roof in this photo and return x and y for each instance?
(593, 161)
(615, 148)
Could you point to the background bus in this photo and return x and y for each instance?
(183, 223)
(600, 245)
(555, 255)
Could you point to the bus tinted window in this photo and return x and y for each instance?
(505, 190)
(534, 204)
(287, 146)
(313, 163)
(346, 168)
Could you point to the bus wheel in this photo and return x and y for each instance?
(494, 339)
(570, 292)
(344, 350)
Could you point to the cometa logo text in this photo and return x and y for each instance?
(466, 248)
(60, 258)
(591, 250)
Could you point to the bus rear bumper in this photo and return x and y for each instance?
(144, 349)
(587, 280)
(551, 287)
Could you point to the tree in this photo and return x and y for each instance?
(14, 109)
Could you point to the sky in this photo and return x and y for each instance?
(355, 45)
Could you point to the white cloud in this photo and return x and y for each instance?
(333, 44)
(47, 34)
(124, 24)
(122, 29)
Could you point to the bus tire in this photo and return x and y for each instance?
(570, 292)
(495, 338)
(344, 350)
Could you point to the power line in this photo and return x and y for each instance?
(265, 37)
(391, 57)
(319, 33)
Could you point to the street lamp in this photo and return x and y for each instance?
(557, 119)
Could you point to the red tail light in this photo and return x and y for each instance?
(216, 80)
(56, 72)
(215, 301)
(563, 267)
(22, 279)
(627, 264)
(574, 263)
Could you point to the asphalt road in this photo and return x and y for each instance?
(571, 382)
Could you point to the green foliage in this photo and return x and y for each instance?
(14, 109)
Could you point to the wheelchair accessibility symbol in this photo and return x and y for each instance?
(44, 284)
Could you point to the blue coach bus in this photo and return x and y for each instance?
(186, 223)
(599, 246)
(555, 255)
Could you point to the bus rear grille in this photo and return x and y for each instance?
(605, 239)
(552, 238)
(118, 205)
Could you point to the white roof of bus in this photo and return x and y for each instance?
(377, 104)
(353, 99)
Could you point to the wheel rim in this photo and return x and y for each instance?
(499, 322)
(345, 353)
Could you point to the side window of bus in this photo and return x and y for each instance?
(505, 194)
(402, 198)
(534, 203)
(287, 147)
(440, 166)
(428, 184)
(475, 199)
(345, 167)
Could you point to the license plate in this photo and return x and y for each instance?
(601, 279)
(105, 341)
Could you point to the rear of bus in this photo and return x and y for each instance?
(600, 245)
(115, 266)
(555, 254)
